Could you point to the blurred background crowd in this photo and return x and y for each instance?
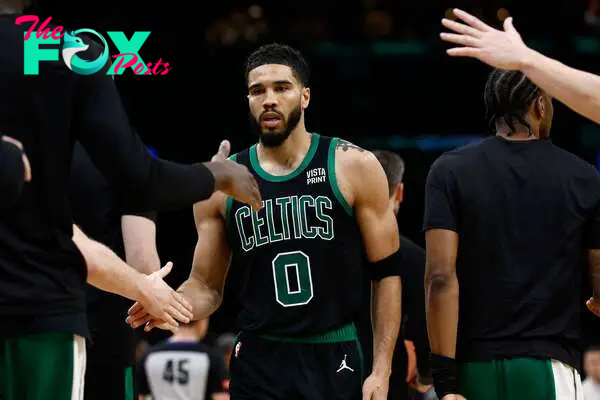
(380, 78)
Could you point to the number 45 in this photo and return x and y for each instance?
(182, 374)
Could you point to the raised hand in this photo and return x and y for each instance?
(500, 49)
(161, 301)
(234, 179)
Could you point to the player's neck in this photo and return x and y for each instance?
(184, 337)
(291, 152)
(520, 133)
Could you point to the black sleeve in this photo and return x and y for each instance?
(592, 226)
(413, 302)
(143, 387)
(102, 127)
(12, 174)
(440, 197)
(218, 377)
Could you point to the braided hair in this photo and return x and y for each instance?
(507, 97)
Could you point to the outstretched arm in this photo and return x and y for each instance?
(379, 229)
(505, 49)
(204, 287)
(139, 239)
(108, 272)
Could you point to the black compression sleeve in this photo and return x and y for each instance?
(149, 183)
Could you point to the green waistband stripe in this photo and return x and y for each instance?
(346, 333)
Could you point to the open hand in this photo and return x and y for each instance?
(161, 301)
(500, 49)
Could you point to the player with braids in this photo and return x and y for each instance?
(508, 220)
(507, 97)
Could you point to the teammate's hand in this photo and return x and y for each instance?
(375, 387)
(500, 49)
(223, 152)
(594, 306)
(234, 179)
(161, 301)
(13, 141)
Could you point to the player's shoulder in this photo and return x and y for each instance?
(353, 157)
(461, 156)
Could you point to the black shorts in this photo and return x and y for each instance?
(111, 353)
(275, 369)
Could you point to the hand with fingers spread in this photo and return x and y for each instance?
(500, 49)
(161, 301)
(234, 179)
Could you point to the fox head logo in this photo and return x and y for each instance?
(73, 45)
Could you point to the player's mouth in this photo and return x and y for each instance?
(271, 119)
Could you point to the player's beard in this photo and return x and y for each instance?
(275, 138)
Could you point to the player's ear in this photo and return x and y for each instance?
(540, 107)
(305, 100)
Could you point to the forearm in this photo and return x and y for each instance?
(107, 271)
(386, 310)
(577, 89)
(442, 313)
(203, 299)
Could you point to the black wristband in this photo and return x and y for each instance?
(444, 371)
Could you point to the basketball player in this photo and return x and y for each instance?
(414, 325)
(14, 171)
(99, 211)
(505, 49)
(298, 263)
(507, 219)
(42, 272)
(184, 368)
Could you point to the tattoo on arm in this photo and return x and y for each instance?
(345, 146)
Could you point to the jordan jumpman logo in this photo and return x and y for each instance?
(343, 365)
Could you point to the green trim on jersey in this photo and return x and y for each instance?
(332, 177)
(229, 200)
(314, 144)
(346, 333)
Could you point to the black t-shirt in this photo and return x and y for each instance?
(174, 369)
(42, 273)
(98, 209)
(524, 212)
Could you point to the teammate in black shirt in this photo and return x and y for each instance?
(98, 210)
(411, 266)
(42, 272)
(509, 220)
(184, 368)
(297, 264)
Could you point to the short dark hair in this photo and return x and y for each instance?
(393, 165)
(282, 54)
(507, 97)
(593, 348)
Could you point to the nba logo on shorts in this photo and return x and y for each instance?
(238, 346)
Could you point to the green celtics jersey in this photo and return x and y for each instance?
(297, 264)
